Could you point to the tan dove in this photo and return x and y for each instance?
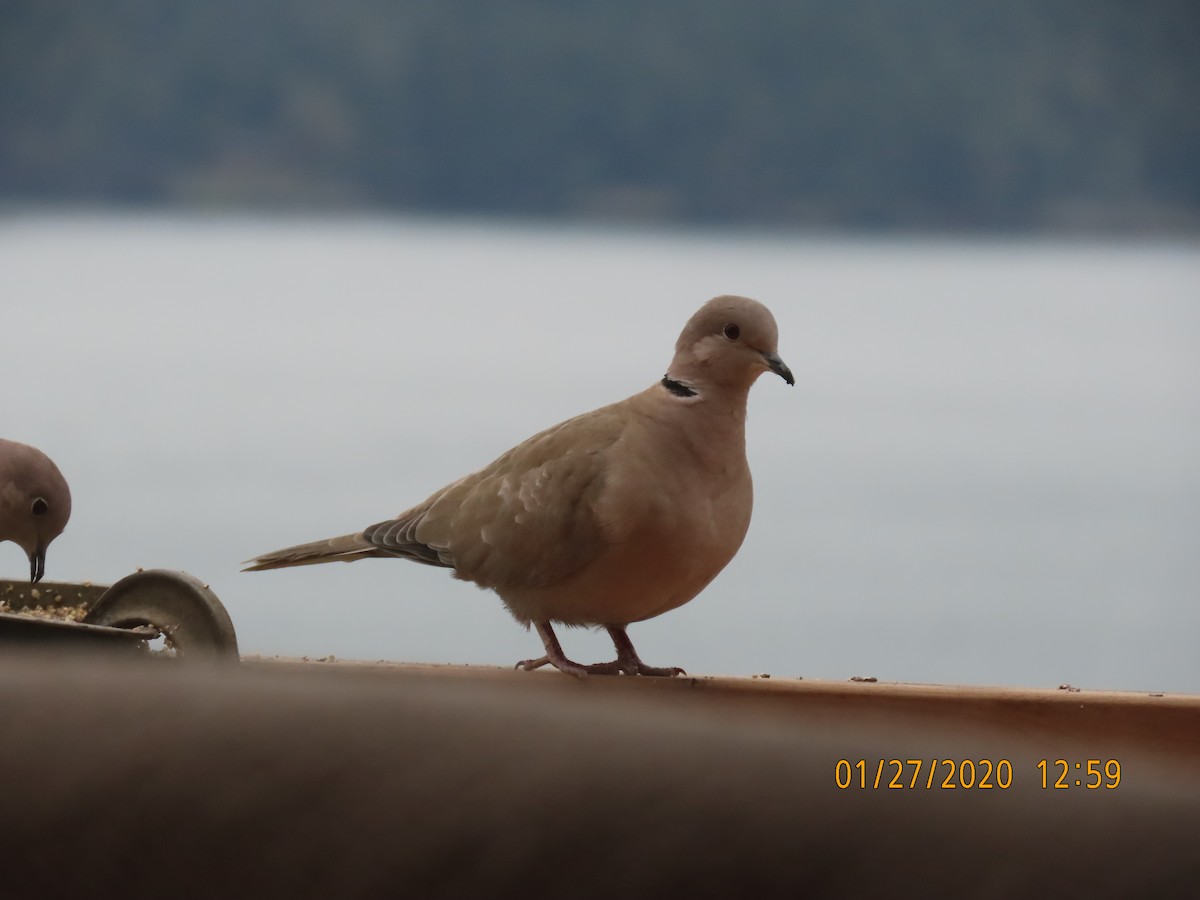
(612, 517)
(35, 502)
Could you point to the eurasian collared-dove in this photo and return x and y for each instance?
(611, 517)
(35, 502)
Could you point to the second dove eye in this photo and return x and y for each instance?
(40, 506)
(732, 331)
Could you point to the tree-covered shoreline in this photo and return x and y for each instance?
(937, 115)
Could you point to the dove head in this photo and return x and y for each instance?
(728, 343)
(35, 502)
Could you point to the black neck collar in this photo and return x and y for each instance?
(678, 388)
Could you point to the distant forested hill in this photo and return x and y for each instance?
(829, 113)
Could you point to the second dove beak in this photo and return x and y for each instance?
(37, 565)
(779, 367)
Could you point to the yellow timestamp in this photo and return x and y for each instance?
(1092, 774)
(928, 774)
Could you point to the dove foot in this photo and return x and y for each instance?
(627, 660)
(640, 668)
(561, 663)
(554, 657)
(633, 667)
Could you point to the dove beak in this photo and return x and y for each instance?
(37, 564)
(779, 367)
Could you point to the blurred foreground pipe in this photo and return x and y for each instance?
(150, 780)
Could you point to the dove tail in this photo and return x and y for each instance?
(346, 548)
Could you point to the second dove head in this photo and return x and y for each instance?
(35, 502)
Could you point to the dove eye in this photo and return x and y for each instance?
(732, 331)
(40, 506)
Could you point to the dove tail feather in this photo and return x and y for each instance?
(347, 548)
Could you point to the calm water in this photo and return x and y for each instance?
(987, 472)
